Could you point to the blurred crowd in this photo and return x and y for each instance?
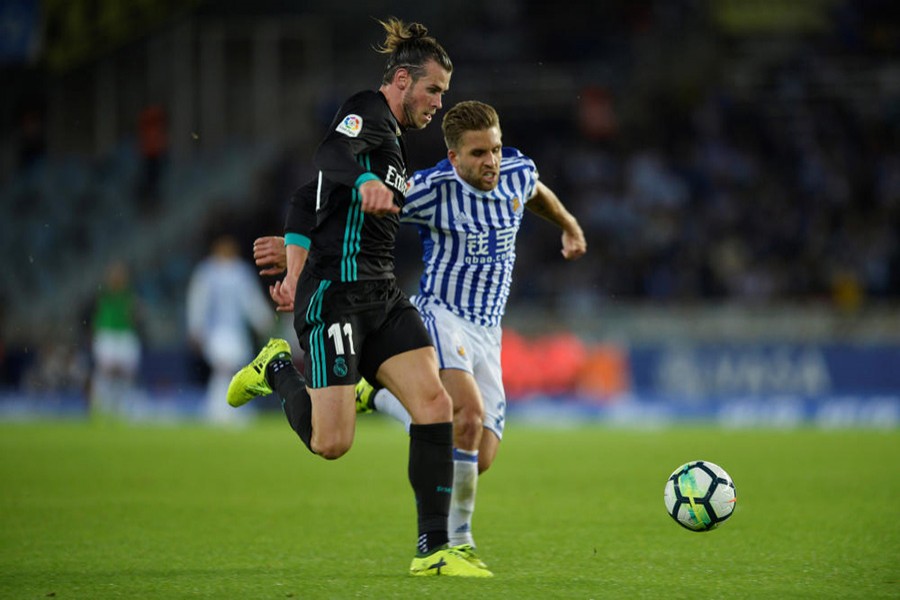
(745, 177)
(703, 164)
(728, 202)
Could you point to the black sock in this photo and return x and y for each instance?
(431, 477)
(291, 388)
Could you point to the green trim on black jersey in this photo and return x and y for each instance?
(317, 337)
(353, 229)
(367, 176)
(296, 239)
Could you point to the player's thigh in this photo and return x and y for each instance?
(488, 376)
(399, 329)
(456, 347)
(412, 377)
(451, 335)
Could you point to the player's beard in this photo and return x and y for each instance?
(409, 111)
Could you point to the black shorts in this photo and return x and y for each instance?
(348, 329)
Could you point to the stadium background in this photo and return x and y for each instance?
(735, 166)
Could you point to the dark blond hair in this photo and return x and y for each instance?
(469, 115)
(410, 47)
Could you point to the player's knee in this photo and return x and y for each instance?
(466, 431)
(468, 424)
(438, 407)
(444, 401)
(332, 448)
(332, 452)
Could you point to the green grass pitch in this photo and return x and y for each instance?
(93, 510)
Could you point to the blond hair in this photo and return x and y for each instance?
(469, 115)
(409, 46)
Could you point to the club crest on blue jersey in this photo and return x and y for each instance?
(350, 126)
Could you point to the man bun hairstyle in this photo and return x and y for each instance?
(409, 47)
(468, 115)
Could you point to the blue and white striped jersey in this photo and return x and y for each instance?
(469, 236)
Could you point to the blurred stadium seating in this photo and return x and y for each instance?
(735, 165)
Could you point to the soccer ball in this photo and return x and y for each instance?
(700, 495)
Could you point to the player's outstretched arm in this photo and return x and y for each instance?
(547, 205)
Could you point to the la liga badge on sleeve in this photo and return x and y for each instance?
(350, 126)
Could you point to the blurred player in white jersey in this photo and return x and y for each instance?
(468, 209)
(225, 307)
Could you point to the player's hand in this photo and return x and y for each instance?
(269, 253)
(574, 244)
(377, 198)
(282, 293)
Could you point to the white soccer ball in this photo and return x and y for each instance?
(700, 495)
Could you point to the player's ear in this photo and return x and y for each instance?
(452, 156)
(401, 78)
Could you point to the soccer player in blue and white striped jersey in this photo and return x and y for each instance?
(468, 209)
(469, 233)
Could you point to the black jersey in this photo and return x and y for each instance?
(364, 140)
(301, 213)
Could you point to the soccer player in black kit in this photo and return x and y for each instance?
(350, 316)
